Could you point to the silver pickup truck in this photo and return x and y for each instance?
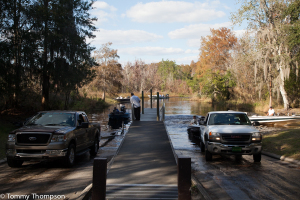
(53, 135)
(229, 132)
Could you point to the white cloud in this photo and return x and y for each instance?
(123, 37)
(194, 42)
(174, 11)
(103, 12)
(156, 54)
(103, 5)
(191, 51)
(195, 31)
(150, 51)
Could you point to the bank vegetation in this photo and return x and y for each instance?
(46, 62)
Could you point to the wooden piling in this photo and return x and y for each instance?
(142, 102)
(99, 179)
(157, 107)
(151, 97)
(184, 178)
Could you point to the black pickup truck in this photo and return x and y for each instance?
(53, 135)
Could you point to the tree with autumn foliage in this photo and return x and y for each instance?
(215, 50)
(214, 59)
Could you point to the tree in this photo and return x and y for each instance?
(139, 76)
(169, 71)
(264, 17)
(40, 37)
(109, 71)
(217, 85)
(292, 86)
(188, 74)
(244, 57)
(292, 12)
(14, 28)
(64, 26)
(215, 50)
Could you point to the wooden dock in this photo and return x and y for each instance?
(145, 166)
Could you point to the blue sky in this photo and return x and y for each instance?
(156, 30)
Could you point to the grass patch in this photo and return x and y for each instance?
(285, 143)
(5, 128)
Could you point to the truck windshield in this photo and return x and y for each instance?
(52, 119)
(228, 119)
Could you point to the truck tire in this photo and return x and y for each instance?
(202, 146)
(95, 147)
(257, 157)
(208, 155)
(70, 157)
(14, 163)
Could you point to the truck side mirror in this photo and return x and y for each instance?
(255, 124)
(202, 122)
(84, 125)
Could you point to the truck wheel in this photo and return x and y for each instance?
(70, 157)
(202, 146)
(95, 147)
(14, 163)
(208, 155)
(257, 157)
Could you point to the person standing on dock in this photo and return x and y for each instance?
(135, 100)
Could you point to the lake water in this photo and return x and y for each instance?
(184, 106)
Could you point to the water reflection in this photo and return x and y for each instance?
(183, 105)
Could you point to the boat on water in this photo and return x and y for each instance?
(194, 129)
(118, 118)
(161, 96)
(123, 99)
(272, 119)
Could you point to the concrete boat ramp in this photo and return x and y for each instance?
(144, 167)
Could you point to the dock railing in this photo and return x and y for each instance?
(162, 112)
